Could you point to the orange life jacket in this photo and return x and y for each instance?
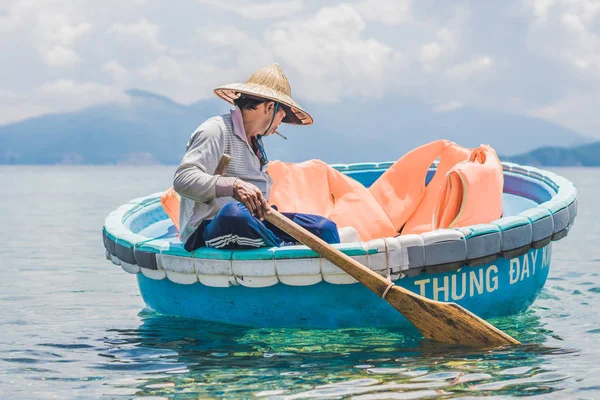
(472, 193)
(313, 187)
(465, 190)
(401, 189)
(170, 203)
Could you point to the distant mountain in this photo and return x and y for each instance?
(587, 155)
(149, 128)
(154, 129)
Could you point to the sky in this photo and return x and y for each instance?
(534, 57)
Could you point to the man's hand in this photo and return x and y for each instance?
(251, 196)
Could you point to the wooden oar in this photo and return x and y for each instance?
(443, 322)
(222, 165)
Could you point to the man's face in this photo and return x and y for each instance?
(268, 108)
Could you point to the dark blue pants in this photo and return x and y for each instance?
(235, 228)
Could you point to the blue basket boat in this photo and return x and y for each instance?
(493, 270)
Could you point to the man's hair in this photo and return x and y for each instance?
(245, 102)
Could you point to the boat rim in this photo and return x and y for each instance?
(437, 251)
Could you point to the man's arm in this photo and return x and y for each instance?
(193, 178)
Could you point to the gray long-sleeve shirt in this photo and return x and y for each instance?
(202, 193)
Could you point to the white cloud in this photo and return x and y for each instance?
(54, 35)
(182, 81)
(116, 70)
(472, 69)
(390, 12)
(543, 10)
(59, 56)
(12, 17)
(564, 35)
(541, 7)
(431, 52)
(585, 49)
(227, 36)
(569, 27)
(587, 10)
(331, 56)
(247, 52)
(16, 111)
(57, 96)
(547, 54)
(70, 94)
(578, 112)
(168, 69)
(259, 10)
(57, 28)
(451, 106)
(573, 22)
(142, 32)
(582, 63)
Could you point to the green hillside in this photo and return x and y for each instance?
(587, 155)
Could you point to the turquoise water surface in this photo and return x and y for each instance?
(72, 325)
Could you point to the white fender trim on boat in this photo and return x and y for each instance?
(132, 269)
(182, 278)
(156, 274)
(300, 271)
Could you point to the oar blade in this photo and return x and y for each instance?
(444, 322)
(447, 322)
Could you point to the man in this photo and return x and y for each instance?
(228, 211)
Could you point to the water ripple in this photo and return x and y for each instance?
(71, 325)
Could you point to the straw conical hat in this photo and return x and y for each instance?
(269, 83)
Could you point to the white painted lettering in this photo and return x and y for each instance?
(534, 256)
(437, 289)
(476, 282)
(421, 283)
(545, 260)
(491, 282)
(463, 286)
(514, 270)
(525, 269)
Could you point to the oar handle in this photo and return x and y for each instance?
(368, 277)
(222, 165)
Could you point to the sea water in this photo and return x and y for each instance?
(72, 325)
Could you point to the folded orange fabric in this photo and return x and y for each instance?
(170, 203)
(313, 187)
(466, 189)
(301, 187)
(401, 190)
(472, 193)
